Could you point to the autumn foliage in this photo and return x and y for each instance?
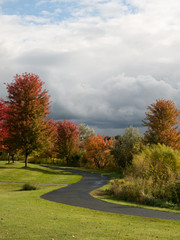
(49, 138)
(163, 124)
(98, 150)
(151, 172)
(28, 106)
(67, 139)
(3, 129)
(25, 128)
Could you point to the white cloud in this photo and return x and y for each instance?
(56, 12)
(102, 69)
(41, 2)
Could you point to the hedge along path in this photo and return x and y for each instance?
(78, 194)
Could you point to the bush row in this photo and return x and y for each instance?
(153, 177)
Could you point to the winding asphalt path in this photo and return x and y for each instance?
(77, 194)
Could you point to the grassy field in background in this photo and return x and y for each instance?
(25, 216)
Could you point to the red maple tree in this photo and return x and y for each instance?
(3, 129)
(28, 107)
(67, 139)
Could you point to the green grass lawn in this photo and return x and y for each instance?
(25, 216)
(34, 174)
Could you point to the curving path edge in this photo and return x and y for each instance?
(77, 194)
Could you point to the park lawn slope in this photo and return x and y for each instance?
(24, 215)
(34, 174)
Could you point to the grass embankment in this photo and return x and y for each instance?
(25, 216)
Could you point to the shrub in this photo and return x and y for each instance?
(153, 178)
(126, 190)
(75, 159)
(28, 187)
(159, 162)
(173, 192)
(54, 161)
(142, 193)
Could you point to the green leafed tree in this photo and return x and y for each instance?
(28, 106)
(85, 132)
(125, 146)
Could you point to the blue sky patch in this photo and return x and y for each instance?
(59, 10)
(53, 9)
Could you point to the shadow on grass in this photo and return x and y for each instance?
(9, 166)
(47, 171)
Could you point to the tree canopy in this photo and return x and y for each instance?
(125, 146)
(3, 129)
(27, 107)
(67, 139)
(163, 124)
(98, 150)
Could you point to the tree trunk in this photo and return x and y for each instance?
(96, 161)
(12, 158)
(8, 158)
(26, 159)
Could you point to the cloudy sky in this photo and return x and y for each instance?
(103, 61)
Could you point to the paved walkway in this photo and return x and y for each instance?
(77, 194)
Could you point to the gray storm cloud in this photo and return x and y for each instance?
(100, 70)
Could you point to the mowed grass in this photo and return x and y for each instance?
(34, 174)
(24, 215)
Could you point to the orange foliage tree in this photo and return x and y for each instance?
(163, 124)
(98, 150)
(49, 139)
(28, 107)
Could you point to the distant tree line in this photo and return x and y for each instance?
(26, 129)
